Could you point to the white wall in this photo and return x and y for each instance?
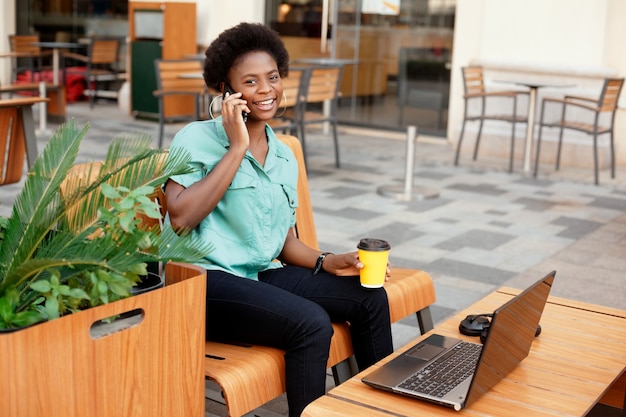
(7, 27)
(568, 41)
(216, 15)
(213, 16)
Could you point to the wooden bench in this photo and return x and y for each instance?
(55, 108)
(250, 376)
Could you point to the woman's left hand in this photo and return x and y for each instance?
(347, 264)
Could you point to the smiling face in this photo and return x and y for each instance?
(255, 75)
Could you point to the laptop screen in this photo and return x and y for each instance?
(510, 336)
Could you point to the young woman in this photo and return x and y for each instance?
(265, 285)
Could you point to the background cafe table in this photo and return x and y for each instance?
(578, 360)
(56, 54)
(532, 105)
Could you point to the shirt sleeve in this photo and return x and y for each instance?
(201, 140)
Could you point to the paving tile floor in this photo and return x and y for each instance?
(485, 229)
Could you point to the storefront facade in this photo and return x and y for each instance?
(383, 49)
(576, 42)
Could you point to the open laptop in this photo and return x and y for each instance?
(508, 342)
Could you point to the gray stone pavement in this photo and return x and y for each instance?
(487, 228)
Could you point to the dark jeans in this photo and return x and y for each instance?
(292, 309)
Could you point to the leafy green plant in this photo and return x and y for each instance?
(81, 235)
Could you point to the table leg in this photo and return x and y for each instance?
(43, 107)
(528, 144)
(30, 138)
(55, 65)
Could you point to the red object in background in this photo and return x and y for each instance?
(75, 83)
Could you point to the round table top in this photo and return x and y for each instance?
(325, 61)
(58, 44)
(21, 101)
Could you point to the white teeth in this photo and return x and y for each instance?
(266, 102)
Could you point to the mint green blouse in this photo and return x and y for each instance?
(248, 227)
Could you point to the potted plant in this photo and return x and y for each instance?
(75, 240)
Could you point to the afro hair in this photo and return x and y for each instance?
(235, 42)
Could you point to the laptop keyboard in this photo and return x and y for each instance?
(445, 373)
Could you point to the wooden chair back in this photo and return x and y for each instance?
(24, 44)
(181, 91)
(473, 80)
(610, 94)
(179, 75)
(288, 118)
(305, 226)
(324, 83)
(26, 55)
(104, 51)
(293, 86)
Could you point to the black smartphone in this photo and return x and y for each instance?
(228, 89)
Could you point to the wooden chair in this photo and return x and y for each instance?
(250, 376)
(474, 85)
(294, 93)
(102, 66)
(324, 83)
(178, 82)
(605, 104)
(23, 49)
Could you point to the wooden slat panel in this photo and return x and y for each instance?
(150, 369)
(291, 87)
(169, 80)
(305, 224)
(322, 84)
(104, 51)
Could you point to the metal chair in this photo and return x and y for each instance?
(324, 83)
(606, 103)
(294, 91)
(23, 48)
(102, 65)
(475, 90)
(178, 82)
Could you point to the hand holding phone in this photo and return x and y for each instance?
(228, 89)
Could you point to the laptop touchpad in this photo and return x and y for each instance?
(425, 351)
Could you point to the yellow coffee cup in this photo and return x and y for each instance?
(373, 254)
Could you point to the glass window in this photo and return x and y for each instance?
(399, 58)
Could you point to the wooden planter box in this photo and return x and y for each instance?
(151, 365)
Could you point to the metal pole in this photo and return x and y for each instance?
(43, 114)
(411, 135)
(408, 191)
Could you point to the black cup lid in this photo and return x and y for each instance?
(373, 244)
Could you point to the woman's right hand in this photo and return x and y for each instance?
(232, 120)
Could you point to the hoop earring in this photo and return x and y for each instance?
(211, 106)
(284, 107)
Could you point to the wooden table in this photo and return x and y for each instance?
(533, 87)
(578, 360)
(56, 55)
(16, 122)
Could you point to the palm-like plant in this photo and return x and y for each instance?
(75, 239)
